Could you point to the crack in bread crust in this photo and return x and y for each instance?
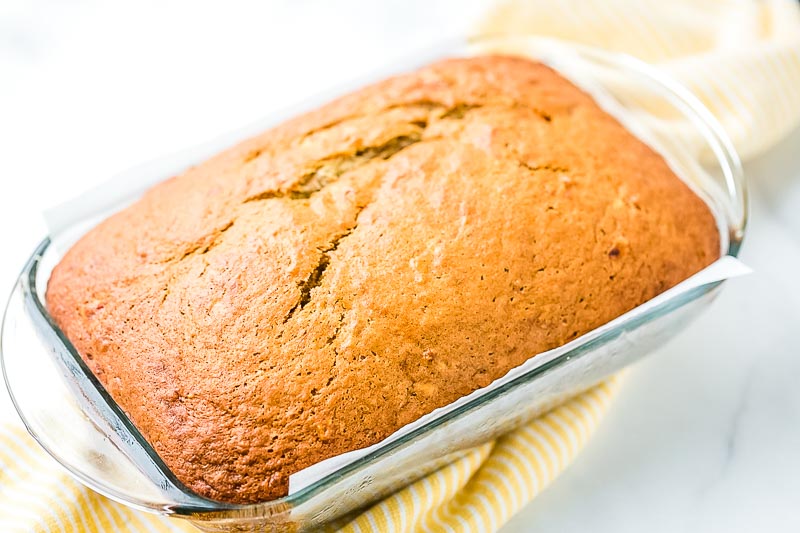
(315, 277)
(328, 170)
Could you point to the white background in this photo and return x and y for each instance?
(705, 435)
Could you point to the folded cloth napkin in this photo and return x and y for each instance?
(740, 57)
(479, 492)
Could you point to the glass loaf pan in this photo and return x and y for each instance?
(69, 413)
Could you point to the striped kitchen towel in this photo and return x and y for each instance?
(477, 493)
(740, 57)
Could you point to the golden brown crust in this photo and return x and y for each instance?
(315, 288)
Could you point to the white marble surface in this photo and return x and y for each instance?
(705, 435)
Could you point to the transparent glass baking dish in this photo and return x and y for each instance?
(69, 413)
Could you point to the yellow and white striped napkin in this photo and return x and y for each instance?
(479, 492)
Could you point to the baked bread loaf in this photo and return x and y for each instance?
(313, 289)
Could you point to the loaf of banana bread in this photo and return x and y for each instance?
(313, 289)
